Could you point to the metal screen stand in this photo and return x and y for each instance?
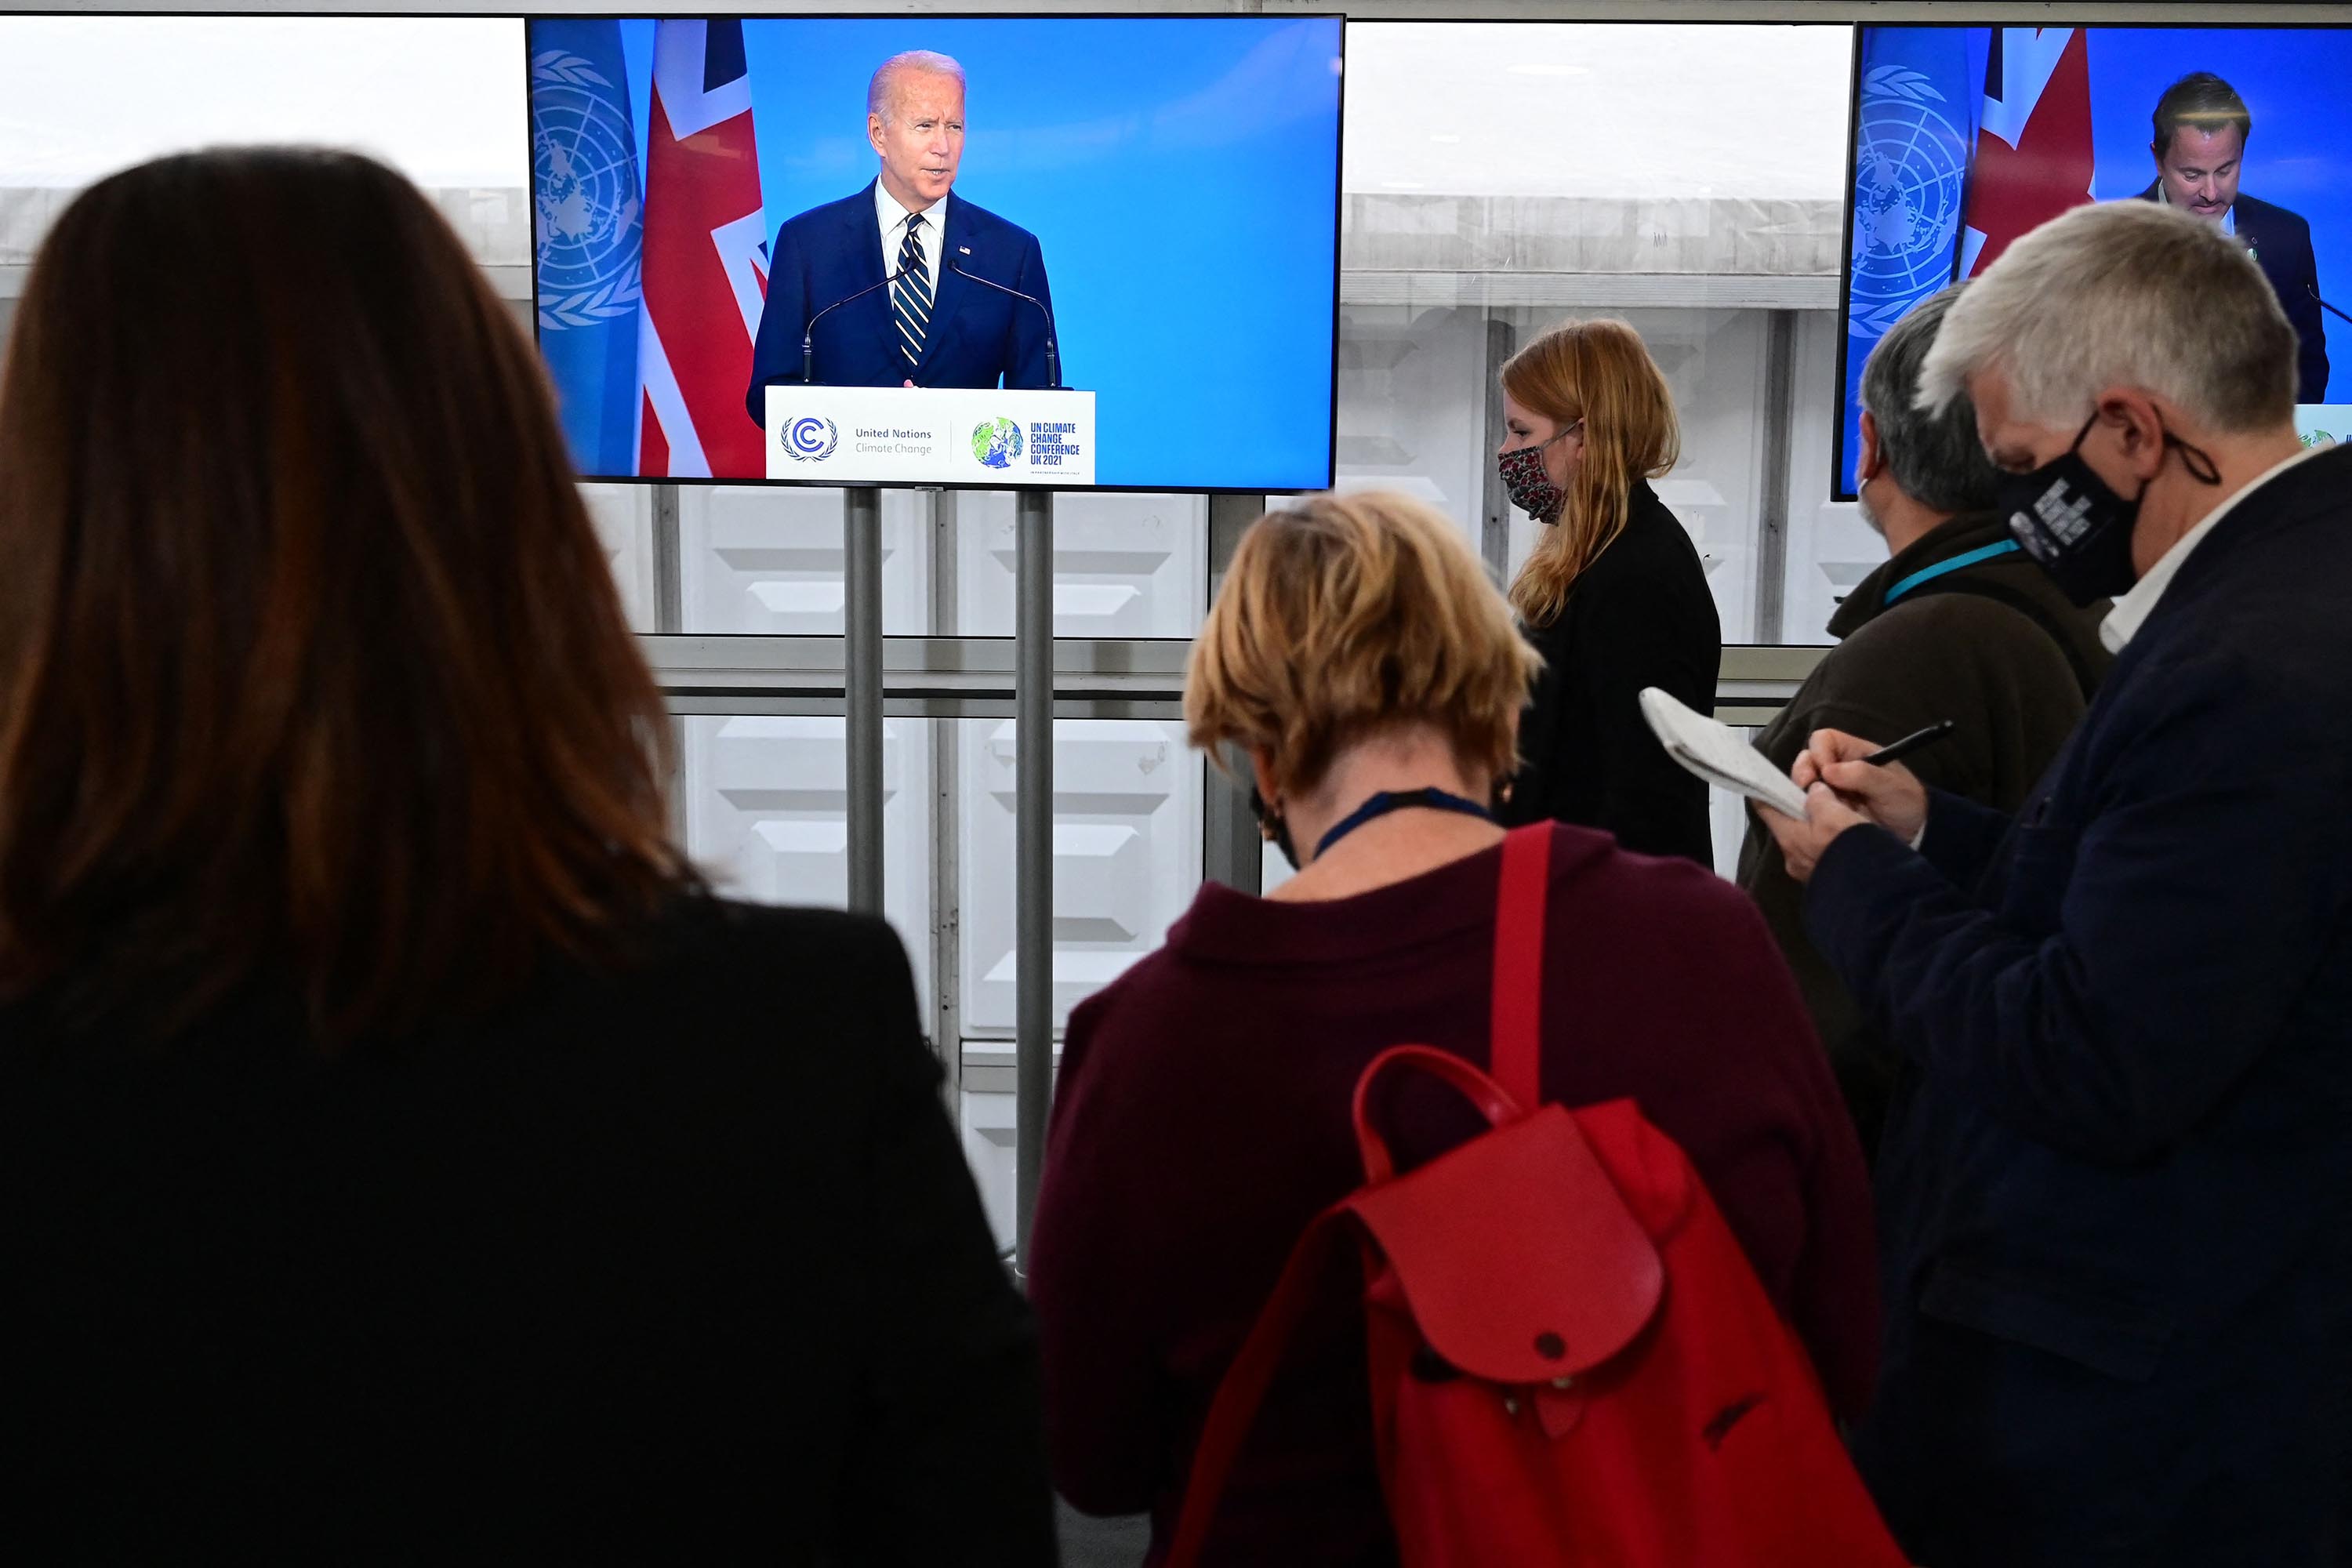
(861, 691)
(1231, 850)
(1032, 875)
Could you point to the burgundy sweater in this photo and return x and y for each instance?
(1202, 1121)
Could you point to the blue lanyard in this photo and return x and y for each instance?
(1387, 801)
(1930, 574)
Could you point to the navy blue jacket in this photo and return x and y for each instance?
(2115, 1187)
(2281, 243)
(978, 337)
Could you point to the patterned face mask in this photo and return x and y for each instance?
(1524, 479)
(2075, 525)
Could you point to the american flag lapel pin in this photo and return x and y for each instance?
(963, 251)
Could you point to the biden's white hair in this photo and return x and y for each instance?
(882, 88)
(2124, 293)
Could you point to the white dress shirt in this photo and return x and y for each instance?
(2131, 612)
(930, 235)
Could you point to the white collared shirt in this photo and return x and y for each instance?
(2131, 612)
(930, 235)
(2229, 214)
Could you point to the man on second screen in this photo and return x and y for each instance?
(938, 322)
(2201, 126)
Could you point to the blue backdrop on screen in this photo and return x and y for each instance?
(1921, 99)
(1181, 176)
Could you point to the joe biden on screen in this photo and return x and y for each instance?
(939, 323)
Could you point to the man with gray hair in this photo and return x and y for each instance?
(2115, 1200)
(1959, 624)
(901, 284)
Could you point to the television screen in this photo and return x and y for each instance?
(1964, 137)
(762, 254)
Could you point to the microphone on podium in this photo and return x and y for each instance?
(2313, 290)
(1052, 355)
(808, 338)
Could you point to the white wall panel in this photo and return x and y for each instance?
(767, 817)
(768, 561)
(624, 518)
(1124, 566)
(1127, 855)
(1413, 405)
(986, 1117)
(1830, 547)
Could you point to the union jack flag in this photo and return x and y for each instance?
(705, 257)
(2034, 145)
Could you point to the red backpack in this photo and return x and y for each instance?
(1571, 1361)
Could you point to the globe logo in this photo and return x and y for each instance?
(996, 442)
(584, 188)
(1910, 177)
(810, 439)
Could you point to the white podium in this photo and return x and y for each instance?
(930, 436)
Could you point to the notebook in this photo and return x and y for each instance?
(1716, 755)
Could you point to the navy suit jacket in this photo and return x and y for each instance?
(978, 337)
(2281, 241)
(2115, 1189)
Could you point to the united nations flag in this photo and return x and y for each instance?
(590, 222)
(1920, 102)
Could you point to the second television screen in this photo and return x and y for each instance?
(1964, 137)
(1167, 187)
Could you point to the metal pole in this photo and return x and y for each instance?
(1231, 850)
(1494, 503)
(862, 682)
(1772, 505)
(1032, 860)
(669, 574)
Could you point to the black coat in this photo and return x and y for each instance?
(2280, 242)
(1989, 643)
(1640, 615)
(2116, 1203)
(677, 1264)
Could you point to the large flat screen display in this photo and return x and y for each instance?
(1966, 137)
(1143, 208)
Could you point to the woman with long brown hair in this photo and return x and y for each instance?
(1613, 595)
(401, 1154)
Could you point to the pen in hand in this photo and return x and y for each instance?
(1895, 750)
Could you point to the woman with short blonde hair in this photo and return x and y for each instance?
(1344, 617)
(1360, 660)
(1613, 594)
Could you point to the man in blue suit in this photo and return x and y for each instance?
(2201, 126)
(951, 317)
(2116, 1181)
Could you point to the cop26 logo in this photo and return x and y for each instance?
(996, 442)
(585, 184)
(1911, 166)
(810, 439)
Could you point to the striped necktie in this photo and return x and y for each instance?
(911, 297)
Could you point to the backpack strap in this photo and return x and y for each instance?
(1516, 1041)
(1245, 1385)
(2025, 605)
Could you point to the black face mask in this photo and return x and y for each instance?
(2076, 528)
(1273, 828)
